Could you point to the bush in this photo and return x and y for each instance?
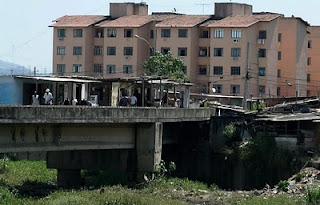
(313, 196)
(283, 185)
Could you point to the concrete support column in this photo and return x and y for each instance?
(69, 178)
(149, 148)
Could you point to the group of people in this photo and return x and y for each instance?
(132, 101)
(48, 98)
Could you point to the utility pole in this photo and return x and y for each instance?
(245, 92)
(258, 75)
(35, 71)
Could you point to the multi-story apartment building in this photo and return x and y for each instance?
(292, 57)
(219, 51)
(313, 61)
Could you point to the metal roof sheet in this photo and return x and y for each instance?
(58, 79)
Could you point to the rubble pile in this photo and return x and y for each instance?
(296, 185)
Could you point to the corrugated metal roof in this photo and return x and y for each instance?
(57, 79)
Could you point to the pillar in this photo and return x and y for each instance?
(148, 148)
(69, 178)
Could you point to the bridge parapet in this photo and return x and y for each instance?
(85, 114)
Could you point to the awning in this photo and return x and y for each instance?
(58, 79)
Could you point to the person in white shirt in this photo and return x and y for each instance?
(35, 99)
(48, 98)
(133, 101)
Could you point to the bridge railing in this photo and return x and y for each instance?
(101, 114)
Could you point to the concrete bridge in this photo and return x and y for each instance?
(81, 137)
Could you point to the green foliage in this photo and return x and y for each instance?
(19, 172)
(167, 185)
(271, 200)
(165, 65)
(313, 196)
(299, 177)
(164, 169)
(283, 185)
(229, 131)
(4, 165)
(266, 161)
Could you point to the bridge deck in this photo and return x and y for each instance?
(101, 114)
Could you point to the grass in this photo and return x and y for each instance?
(26, 182)
(272, 200)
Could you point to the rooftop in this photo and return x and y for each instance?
(78, 20)
(242, 21)
(184, 21)
(127, 21)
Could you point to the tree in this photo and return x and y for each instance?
(165, 65)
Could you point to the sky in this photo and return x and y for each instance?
(26, 39)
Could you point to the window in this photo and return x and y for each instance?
(279, 55)
(202, 70)
(204, 34)
(262, 53)
(262, 89)
(164, 50)
(279, 73)
(309, 61)
(76, 68)
(151, 34)
(203, 52)
(165, 33)
(127, 68)
(217, 70)
(235, 70)
(97, 68)
(77, 33)
(262, 34)
(111, 51)
(61, 68)
(184, 69)
(309, 44)
(112, 33)
(308, 77)
(234, 89)
(218, 52)
(262, 71)
(61, 33)
(128, 33)
(183, 33)
(127, 51)
(235, 52)
(97, 50)
(111, 69)
(182, 51)
(218, 33)
(61, 50)
(236, 33)
(218, 88)
(278, 91)
(77, 50)
(279, 37)
(99, 33)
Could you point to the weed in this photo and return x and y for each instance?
(299, 177)
(313, 196)
(283, 185)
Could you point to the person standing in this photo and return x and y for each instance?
(48, 98)
(35, 99)
(133, 101)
